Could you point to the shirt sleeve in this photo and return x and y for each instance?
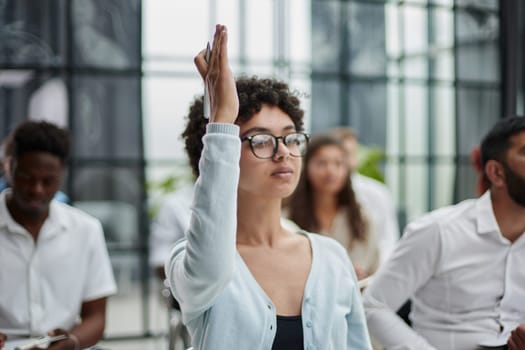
(411, 265)
(101, 282)
(390, 227)
(200, 267)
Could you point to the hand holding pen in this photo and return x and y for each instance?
(218, 79)
(39, 343)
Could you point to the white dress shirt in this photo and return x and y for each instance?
(377, 201)
(43, 284)
(466, 282)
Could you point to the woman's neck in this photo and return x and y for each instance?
(326, 203)
(258, 220)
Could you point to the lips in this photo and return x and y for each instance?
(284, 171)
(34, 202)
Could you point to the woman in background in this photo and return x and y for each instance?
(324, 202)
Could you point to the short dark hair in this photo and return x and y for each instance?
(496, 142)
(253, 93)
(39, 136)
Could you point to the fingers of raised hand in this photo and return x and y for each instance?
(210, 69)
(217, 54)
(201, 64)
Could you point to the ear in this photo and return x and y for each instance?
(8, 165)
(495, 173)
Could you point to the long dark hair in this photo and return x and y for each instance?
(300, 204)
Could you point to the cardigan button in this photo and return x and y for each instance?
(309, 324)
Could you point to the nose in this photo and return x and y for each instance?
(37, 187)
(282, 151)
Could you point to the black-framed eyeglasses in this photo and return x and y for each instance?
(264, 146)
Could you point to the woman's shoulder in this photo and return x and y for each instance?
(330, 258)
(326, 246)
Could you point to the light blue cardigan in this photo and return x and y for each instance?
(222, 305)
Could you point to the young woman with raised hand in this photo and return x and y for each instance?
(242, 280)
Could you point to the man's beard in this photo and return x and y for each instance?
(515, 185)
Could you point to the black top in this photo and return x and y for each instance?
(289, 333)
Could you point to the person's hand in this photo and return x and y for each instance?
(360, 272)
(218, 77)
(3, 338)
(517, 338)
(64, 344)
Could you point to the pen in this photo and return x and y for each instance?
(41, 341)
(206, 92)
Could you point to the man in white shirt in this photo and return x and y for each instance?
(374, 196)
(55, 271)
(462, 265)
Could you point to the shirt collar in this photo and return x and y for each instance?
(485, 218)
(6, 220)
(54, 224)
(56, 221)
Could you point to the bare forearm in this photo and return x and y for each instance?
(83, 335)
(90, 331)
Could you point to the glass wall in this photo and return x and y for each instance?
(419, 79)
(520, 55)
(78, 63)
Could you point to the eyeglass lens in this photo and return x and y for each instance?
(265, 145)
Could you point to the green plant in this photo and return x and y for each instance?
(370, 159)
(158, 189)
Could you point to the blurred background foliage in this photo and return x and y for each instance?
(371, 161)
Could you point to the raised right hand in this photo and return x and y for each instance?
(219, 79)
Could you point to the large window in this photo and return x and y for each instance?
(419, 79)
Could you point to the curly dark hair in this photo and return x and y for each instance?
(38, 136)
(300, 204)
(253, 93)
